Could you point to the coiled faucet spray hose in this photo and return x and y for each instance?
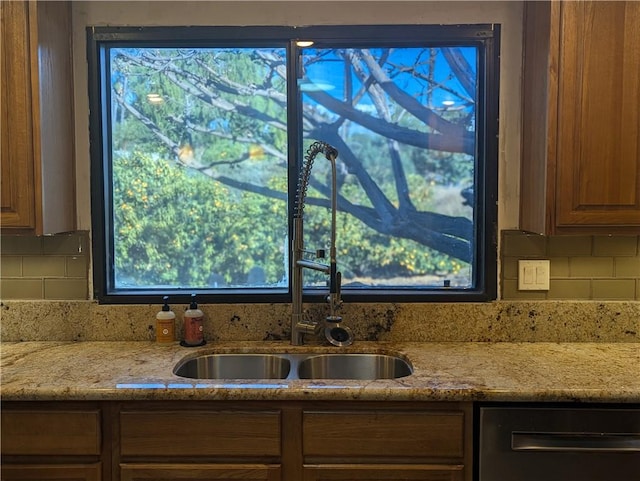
(331, 153)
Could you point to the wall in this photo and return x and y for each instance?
(508, 14)
(582, 267)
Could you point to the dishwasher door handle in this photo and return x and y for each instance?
(609, 442)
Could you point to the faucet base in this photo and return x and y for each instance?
(338, 335)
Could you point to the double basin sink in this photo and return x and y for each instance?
(256, 366)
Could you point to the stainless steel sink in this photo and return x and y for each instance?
(290, 366)
(235, 366)
(353, 366)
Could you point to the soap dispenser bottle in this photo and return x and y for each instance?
(193, 325)
(165, 324)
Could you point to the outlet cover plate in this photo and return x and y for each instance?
(533, 275)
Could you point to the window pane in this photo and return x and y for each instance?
(403, 121)
(198, 137)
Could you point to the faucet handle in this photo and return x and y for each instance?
(334, 300)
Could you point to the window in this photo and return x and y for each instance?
(198, 134)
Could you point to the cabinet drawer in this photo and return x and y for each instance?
(383, 472)
(417, 434)
(200, 433)
(46, 472)
(198, 472)
(51, 432)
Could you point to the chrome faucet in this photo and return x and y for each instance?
(332, 327)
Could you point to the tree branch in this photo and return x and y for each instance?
(377, 95)
(462, 144)
(419, 111)
(461, 69)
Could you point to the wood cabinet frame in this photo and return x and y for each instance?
(581, 123)
(36, 108)
(214, 449)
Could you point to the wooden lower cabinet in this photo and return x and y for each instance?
(198, 441)
(397, 435)
(52, 441)
(232, 440)
(410, 442)
(383, 472)
(51, 432)
(46, 472)
(199, 431)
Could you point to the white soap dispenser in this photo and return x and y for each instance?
(165, 324)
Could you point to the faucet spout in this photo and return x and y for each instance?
(300, 327)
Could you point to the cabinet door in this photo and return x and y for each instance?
(382, 472)
(46, 472)
(421, 436)
(37, 163)
(200, 472)
(197, 432)
(17, 161)
(50, 432)
(598, 145)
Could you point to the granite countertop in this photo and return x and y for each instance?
(443, 371)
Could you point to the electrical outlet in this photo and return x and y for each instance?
(533, 275)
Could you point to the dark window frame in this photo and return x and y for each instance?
(485, 37)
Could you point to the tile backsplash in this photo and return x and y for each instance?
(593, 297)
(582, 267)
(47, 267)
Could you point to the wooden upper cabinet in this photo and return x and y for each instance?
(36, 104)
(581, 118)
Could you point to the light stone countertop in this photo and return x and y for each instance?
(443, 371)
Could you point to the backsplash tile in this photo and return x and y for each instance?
(582, 267)
(11, 266)
(615, 246)
(559, 245)
(566, 289)
(65, 289)
(47, 267)
(613, 288)
(66, 244)
(20, 245)
(627, 266)
(525, 246)
(77, 267)
(43, 266)
(15, 288)
(590, 266)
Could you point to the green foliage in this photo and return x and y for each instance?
(367, 256)
(175, 227)
(177, 239)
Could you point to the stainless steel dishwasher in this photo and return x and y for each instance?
(559, 444)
